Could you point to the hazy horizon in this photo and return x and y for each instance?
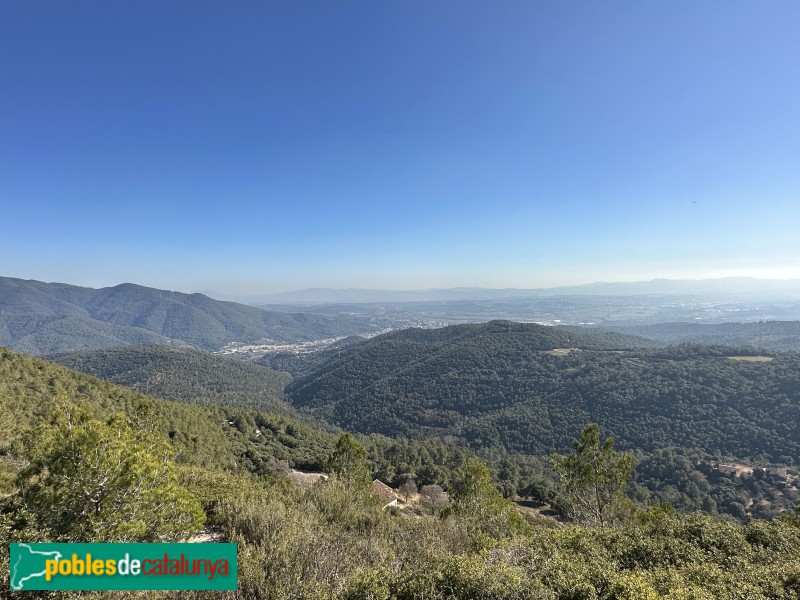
(263, 148)
(729, 284)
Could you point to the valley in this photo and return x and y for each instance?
(514, 393)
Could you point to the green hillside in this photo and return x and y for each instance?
(32, 389)
(221, 436)
(333, 540)
(528, 388)
(47, 318)
(186, 375)
(681, 475)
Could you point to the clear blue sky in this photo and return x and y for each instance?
(249, 147)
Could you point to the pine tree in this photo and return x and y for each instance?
(593, 480)
(102, 480)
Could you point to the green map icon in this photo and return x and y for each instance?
(28, 564)
(122, 566)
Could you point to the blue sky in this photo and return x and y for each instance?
(252, 147)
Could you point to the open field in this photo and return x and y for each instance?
(559, 351)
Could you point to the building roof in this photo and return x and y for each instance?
(384, 492)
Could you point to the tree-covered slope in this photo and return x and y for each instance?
(185, 374)
(44, 333)
(45, 318)
(215, 436)
(333, 539)
(514, 386)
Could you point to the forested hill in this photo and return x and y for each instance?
(223, 437)
(234, 439)
(186, 375)
(765, 335)
(519, 335)
(333, 539)
(45, 318)
(528, 388)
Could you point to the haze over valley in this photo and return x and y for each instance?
(45, 318)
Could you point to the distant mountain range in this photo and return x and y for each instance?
(722, 286)
(45, 318)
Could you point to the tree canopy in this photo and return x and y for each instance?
(102, 480)
(593, 479)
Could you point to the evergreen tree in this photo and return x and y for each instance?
(348, 461)
(481, 508)
(102, 480)
(593, 480)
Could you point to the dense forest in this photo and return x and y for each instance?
(221, 436)
(684, 477)
(527, 388)
(225, 466)
(186, 375)
(678, 473)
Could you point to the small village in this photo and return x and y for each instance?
(269, 346)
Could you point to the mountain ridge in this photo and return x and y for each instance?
(46, 318)
(721, 285)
